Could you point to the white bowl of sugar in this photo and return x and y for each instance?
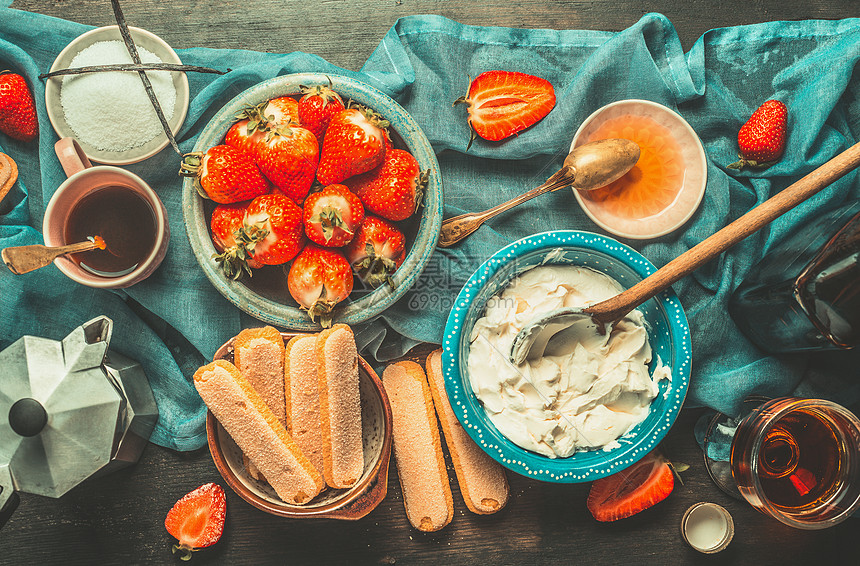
(109, 113)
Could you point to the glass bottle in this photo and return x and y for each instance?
(805, 293)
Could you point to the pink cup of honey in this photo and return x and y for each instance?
(114, 204)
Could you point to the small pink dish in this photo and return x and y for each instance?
(84, 180)
(347, 504)
(670, 135)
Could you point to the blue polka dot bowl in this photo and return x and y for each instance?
(265, 295)
(668, 334)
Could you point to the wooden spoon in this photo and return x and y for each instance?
(8, 174)
(610, 311)
(24, 259)
(587, 167)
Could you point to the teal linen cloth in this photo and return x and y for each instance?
(174, 321)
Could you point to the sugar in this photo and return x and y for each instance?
(111, 110)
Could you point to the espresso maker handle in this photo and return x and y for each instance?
(8, 496)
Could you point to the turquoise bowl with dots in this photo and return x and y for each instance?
(668, 334)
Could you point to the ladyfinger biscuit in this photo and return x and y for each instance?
(418, 448)
(340, 406)
(302, 397)
(482, 480)
(257, 432)
(259, 355)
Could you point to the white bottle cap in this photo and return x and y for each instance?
(707, 527)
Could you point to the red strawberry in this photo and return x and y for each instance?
(762, 139)
(319, 279)
(387, 141)
(226, 223)
(376, 251)
(282, 111)
(392, 190)
(332, 216)
(249, 133)
(317, 106)
(17, 109)
(288, 158)
(273, 231)
(224, 174)
(630, 491)
(502, 103)
(197, 520)
(246, 135)
(354, 143)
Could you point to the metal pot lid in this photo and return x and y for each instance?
(59, 413)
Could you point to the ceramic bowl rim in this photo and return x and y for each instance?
(471, 413)
(375, 302)
(180, 112)
(702, 162)
(335, 509)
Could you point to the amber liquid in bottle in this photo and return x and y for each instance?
(799, 461)
(125, 222)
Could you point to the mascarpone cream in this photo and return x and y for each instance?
(587, 390)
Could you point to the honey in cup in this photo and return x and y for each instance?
(652, 186)
(123, 219)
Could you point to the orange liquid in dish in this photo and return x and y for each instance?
(654, 183)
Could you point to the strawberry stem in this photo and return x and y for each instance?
(185, 552)
(321, 308)
(190, 167)
(750, 163)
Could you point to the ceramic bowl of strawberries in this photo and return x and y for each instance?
(311, 199)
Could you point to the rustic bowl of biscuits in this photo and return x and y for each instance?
(299, 425)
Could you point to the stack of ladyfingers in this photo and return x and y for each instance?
(418, 449)
(294, 410)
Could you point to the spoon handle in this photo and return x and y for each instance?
(24, 259)
(458, 227)
(613, 309)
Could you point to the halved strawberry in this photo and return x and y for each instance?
(502, 103)
(288, 158)
(317, 106)
(226, 223)
(273, 232)
(392, 190)
(224, 174)
(354, 143)
(197, 520)
(332, 216)
(642, 485)
(376, 251)
(319, 279)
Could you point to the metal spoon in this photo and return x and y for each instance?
(587, 167)
(537, 333)
(24, 259)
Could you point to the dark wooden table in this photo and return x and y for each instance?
(118, 519)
